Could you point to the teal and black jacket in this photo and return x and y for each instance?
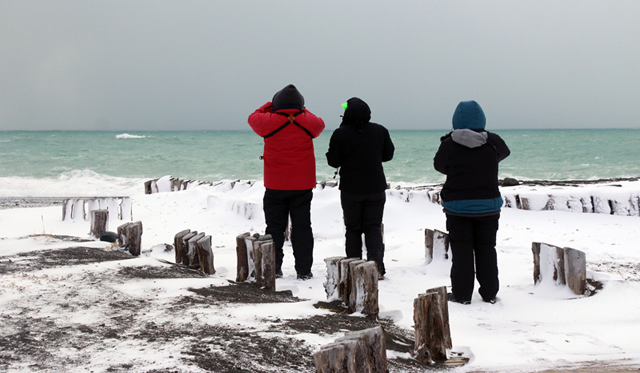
(469, 156)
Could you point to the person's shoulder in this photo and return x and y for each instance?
(493, 136)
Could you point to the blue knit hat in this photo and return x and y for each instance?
(469, 115)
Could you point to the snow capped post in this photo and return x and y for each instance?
(256, 260)
(99, 222)
(362, 351)
(192, 250)
(241, 252)
(177, 243)
(130, 237)
(333, 277)
(355, 282)
(184, 246)
(431, 323)
(436, 245)
(205, 254)
(562, 266)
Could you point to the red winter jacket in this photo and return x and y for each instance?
(289, 159)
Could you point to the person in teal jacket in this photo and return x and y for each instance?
(469, 156)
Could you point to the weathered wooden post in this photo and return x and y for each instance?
(431, 323)
(362, 351)
(177, 244)
(548, 263)
(192, 250)
(99, 222)
(436, 245)
(241, 252)
(130, 237)
(343, 283)
(352, 284)
(256, 260)
(365, 279)
(251, 257)
(563, 266)
(205, 254)
(333, 277)
(267, 249)
(575, 270)
(185, 246)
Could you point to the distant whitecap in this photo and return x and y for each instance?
(127, 136)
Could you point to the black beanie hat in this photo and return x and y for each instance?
(288, 97)
(357, 111)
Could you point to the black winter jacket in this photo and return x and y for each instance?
(359, 147)
(472, 173)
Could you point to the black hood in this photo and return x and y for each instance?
(357, 112)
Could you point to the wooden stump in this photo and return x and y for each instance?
(177, 244)
(99, 222)
(205, 254)
(563, 266)
(192, 250)
(130, 237)
(352, 284)
(431, 323)
(184, 245)
(365, 279)
(436, 245)
(251, 258)
(343, 283)
(363, 351)
(267, 279)
(333, 277)
(575, 262)
(260, 260)
(241, 252)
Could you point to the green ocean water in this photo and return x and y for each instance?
(221, 155)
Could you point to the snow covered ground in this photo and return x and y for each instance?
(530, 329)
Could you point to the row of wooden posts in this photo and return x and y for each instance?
(355, 282)
(194, 249)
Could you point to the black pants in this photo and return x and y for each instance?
(363, 214)
(278, 206)
(473, 240)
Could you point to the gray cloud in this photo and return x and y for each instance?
(170, 65)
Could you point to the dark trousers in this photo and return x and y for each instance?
(363, 214)
(278, 206)
(473, 241)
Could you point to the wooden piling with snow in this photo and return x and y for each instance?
(361, 351)
(431, 324)
(99, 222)
(562, 266)
(256, 260)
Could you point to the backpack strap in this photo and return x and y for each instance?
(291, 118)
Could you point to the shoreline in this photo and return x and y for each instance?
(27, 202)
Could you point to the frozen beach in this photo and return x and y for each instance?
(71, 303)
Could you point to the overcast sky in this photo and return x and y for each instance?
(199, 65)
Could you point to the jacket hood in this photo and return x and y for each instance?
(288, 98)
(469, 138)
(357, 112)
(469, 115)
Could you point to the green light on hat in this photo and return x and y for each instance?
(344, 106)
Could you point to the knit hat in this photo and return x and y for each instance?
(357, 111)
(469, 115)
(287, 98)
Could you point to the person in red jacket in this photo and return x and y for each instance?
(288, 129)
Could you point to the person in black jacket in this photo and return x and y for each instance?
(358, 148)
(469, 156)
